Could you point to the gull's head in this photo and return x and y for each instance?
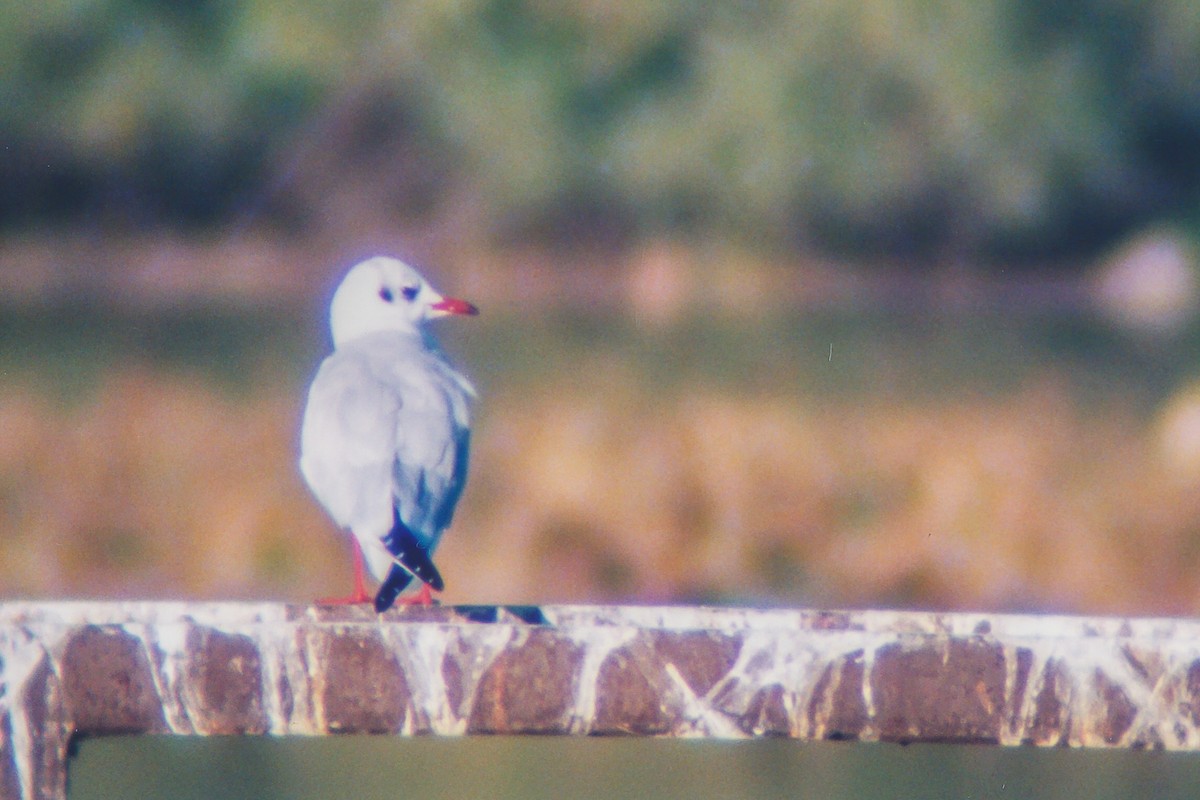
(385, 294)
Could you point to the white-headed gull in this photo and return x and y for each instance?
(387, 427)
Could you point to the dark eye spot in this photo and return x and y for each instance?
(410, 292)
(385, 294)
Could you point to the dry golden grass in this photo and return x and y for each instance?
(162, 485)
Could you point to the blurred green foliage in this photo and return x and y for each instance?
(1001, 129)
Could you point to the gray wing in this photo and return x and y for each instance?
(432, 454)
(348, 443)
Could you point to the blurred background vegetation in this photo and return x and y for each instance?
(889, 303)
(785, 302)
(1002, 131)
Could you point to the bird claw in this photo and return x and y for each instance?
(351, 600)
(359, 595)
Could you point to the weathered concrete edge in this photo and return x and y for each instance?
(98, 668)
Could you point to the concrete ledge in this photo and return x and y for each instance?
(88, 668)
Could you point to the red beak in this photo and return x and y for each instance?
(452, 305)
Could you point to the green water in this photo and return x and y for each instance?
(365, 767)
(69, 349)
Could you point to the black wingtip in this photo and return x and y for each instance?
(397, 581)
(411, 553)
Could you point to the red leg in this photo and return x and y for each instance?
(421, 598)
(360, 586)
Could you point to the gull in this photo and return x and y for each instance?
(386, 430)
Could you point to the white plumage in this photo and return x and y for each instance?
(385, 437)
